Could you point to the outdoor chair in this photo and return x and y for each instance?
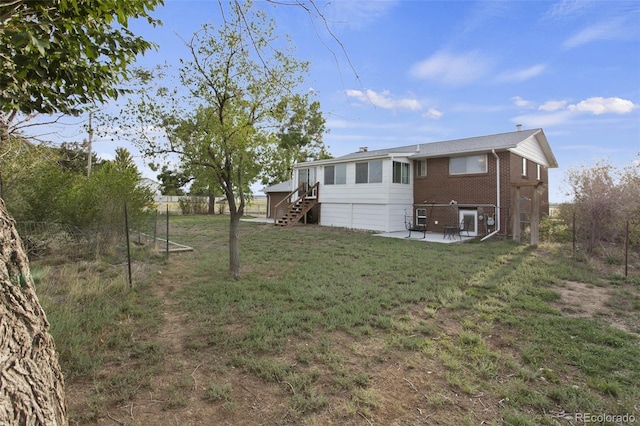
(465, 224)
(411, 227)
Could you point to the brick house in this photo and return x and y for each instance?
(490, 183)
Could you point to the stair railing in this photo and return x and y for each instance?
(279, 209)
(306, 193)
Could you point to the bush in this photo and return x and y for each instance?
(51, 193)
(604, 200)
(193, 205)
(555, 230)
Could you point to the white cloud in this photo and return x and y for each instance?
(608, 30)
(568, 8)
(522, 75)
(522, 103)
(599, 105)
(452, 70)
(557, 112)
(333, 123)
(551, 106)
(357, 14)
(542, 120)
(432, 113)
(384, 100)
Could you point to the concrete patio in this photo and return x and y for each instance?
(430, 237)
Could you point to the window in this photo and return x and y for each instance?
(421, 216)
(329, 175)
(469, 164)
(375, 171)
(401, 172)
(341, 174)
(524, 167)
(362, 172)
(370, 172)
(538, 172)
(335, 175)
(421, 168)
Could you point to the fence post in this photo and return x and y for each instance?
(167, 232)
(155, 232)
(573, 233)
(626, 251)
(126, 226)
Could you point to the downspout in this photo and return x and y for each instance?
(493, 151)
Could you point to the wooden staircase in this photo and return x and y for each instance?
(295, 209)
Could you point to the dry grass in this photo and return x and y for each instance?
(329, 326)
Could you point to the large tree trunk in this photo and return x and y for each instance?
(31, 383)
(234, 244)
(212, 202)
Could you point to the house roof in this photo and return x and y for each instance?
(515, 141)
(279, 187)
(154, 186)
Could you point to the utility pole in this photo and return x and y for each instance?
(89, 143)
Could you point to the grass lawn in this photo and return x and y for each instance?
(331, 326)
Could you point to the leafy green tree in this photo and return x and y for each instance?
(298, 139)
(241, 86)
(18, 159)
(74, 156)
(37, 197)
(205, 184)
(55, 56)
(97, 202)
(172, 182)
(60, 55)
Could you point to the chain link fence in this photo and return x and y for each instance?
(145, 241)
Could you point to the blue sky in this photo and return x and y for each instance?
(420, 71)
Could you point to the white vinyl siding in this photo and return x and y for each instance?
(531, 150)
(374, 206)
(372, 217)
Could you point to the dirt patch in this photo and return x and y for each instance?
(582, 300)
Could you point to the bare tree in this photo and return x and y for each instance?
(598, 202)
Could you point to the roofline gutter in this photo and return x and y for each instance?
(493, 151)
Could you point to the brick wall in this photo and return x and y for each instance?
(439, 187)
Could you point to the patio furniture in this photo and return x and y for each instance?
(450, 232)
(464, 226)
(411, 227)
